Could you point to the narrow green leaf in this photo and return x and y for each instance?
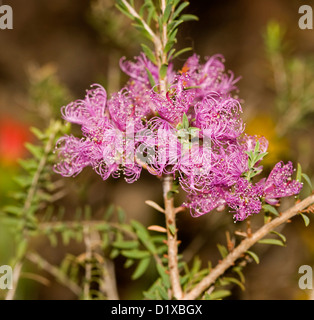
(306, 219)
(280, 235)
(181, 7)
(128, 263)
(173, 28)
(197, 263)
(144, 236)
(299, 173)
(260, 156)
(12, 210)
(142, 29)
(178, 53)
(271, 209)
(21, 249)
(28, 164)
(140, 229)
(233, 280)
(166, 14)
(163, 71)
(125, 244)
(223, 250)
(65, 265)
(169, 46)
(23, 181)
(125, 11)
(272, 241)
(141, 268)
(149, 53)
(66, 236)
(172, 229)
(149, 296)
(254, 256)
(114, 253)
(121, 214)
(185, 121)
(150, 78)
(109, 212)
(36, 151)
(184, 279)
(39, 135)
(256, 149)
(189, 17)
(238, 271)
(308, 180)
(164, 276)
(53, 239)
(163, 293)
(218, 295)
(135, 254)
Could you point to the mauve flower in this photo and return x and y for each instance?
(128, 106)
(209, 77)
(280, 184)
(202, 203)
(249, 143)
(158, 147)
(193, 132)
(75, 154)
(245, 199)
(176, 102)
(219, 116)
(84, 111)
(137, 71)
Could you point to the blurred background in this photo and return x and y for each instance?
(57, 49)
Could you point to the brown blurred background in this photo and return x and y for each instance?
(70, 38)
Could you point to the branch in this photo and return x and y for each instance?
(238, 252)
(54, 271)
(93, 224)
(88, 265)
(109, 284)
(163, 56)
(133, 12)
(42, 163)
(172, 240)
(15, 279)
(28, 203)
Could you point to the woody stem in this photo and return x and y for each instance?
(172, 239)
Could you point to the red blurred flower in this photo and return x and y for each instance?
(13, 135)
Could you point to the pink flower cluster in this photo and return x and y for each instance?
(193, 131)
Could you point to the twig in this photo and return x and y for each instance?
(42, 163)
(133, 12)
(86, 223)
(172, 240)
(15, 279)
(88, 265)
(109, 284)
(27, 205)
(238, 252)
(160, 51)
(54, 271)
